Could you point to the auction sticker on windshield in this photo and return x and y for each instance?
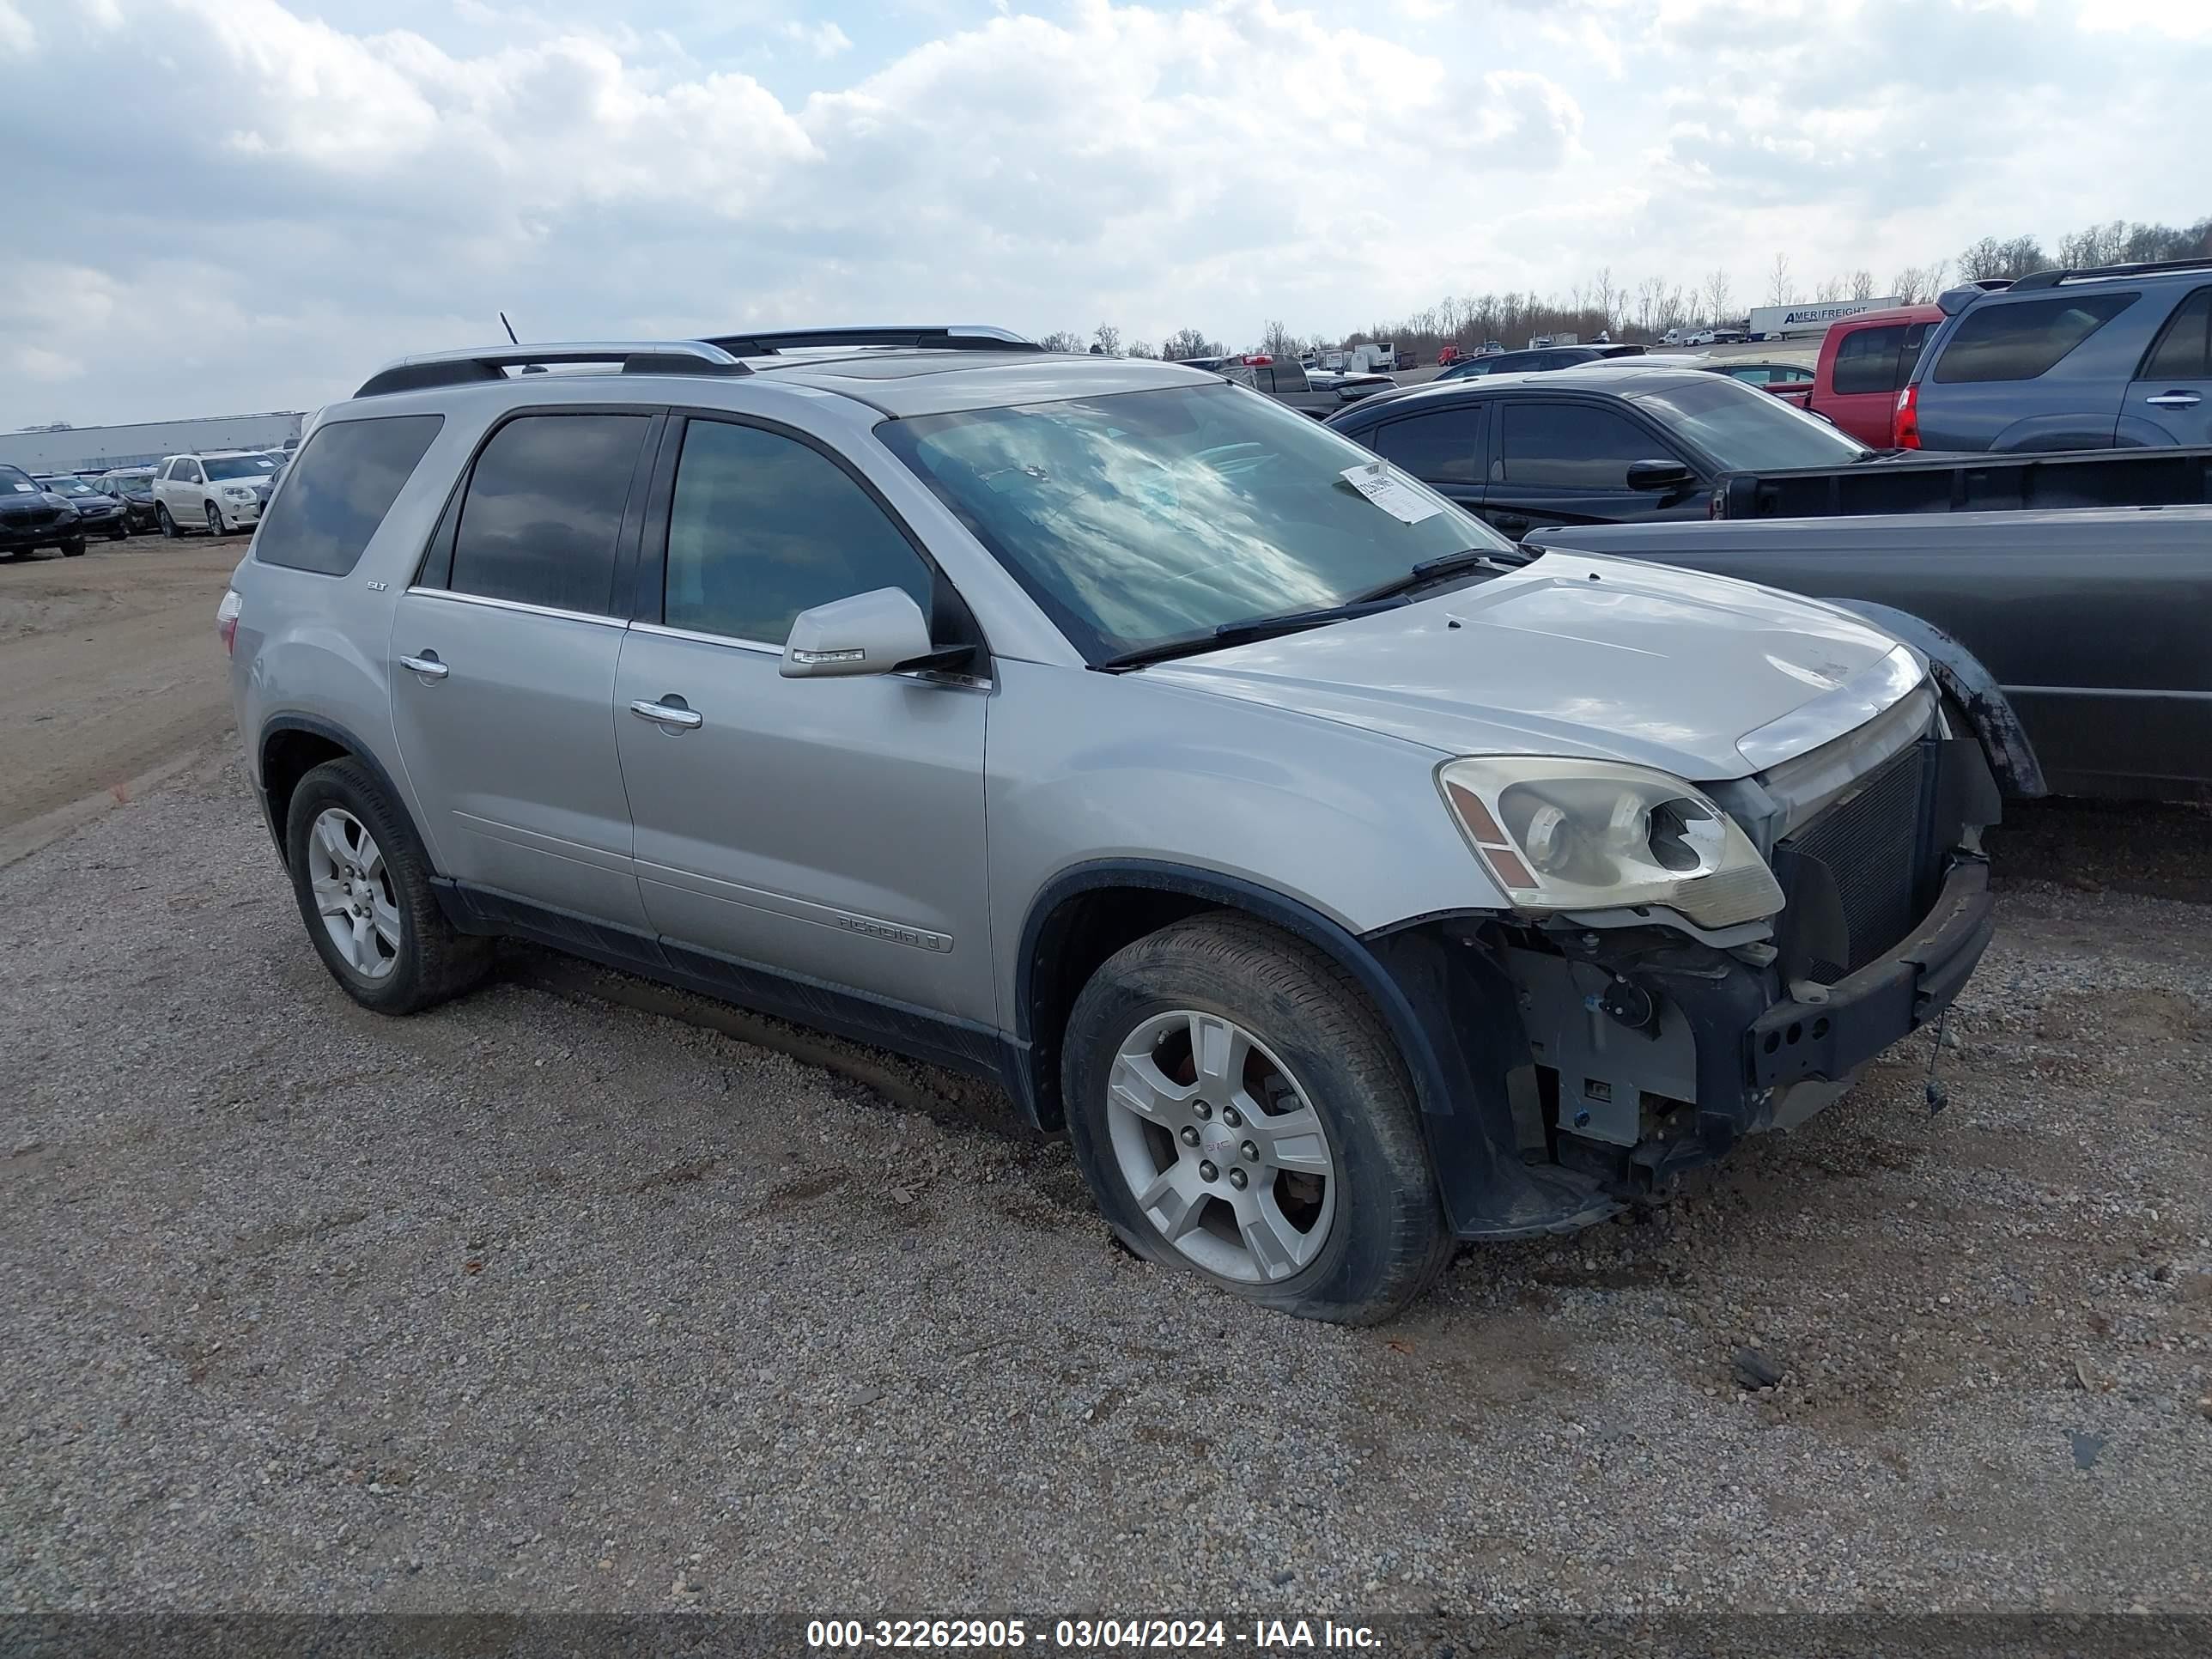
(1376, 480)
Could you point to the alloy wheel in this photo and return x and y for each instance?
(1221, 1146)
(213, 519)
(353, 893)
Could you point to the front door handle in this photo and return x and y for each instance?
(669, 712)
(2174, 400)
(427, 666)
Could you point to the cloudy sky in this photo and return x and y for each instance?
(217, 206)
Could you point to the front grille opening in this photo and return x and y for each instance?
(1870, 846)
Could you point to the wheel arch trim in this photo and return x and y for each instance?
(316, 725)
(1961, 673)
(1294, 916)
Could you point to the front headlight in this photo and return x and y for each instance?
(1577, 834)
(236, 495)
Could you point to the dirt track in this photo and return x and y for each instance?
(110, 670)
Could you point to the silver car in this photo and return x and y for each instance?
(1346, 883)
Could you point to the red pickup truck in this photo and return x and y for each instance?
(1864, 361)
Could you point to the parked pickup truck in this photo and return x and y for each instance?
(1318, 393)
(1865, 361)
(1972, 482)
(2074, 638)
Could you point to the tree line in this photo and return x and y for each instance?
(1647, 307)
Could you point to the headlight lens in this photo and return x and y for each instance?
(1575, 835)
(235, 494)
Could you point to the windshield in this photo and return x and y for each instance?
(1749, 430)
(1151, 517)
(13, 480)
(69, 487)
(239, 466)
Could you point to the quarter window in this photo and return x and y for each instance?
(1572, 446)
(2022, 341)
(340, 488)
(1443, 447)
(763, 526)
(2185, 350)
(542, 522)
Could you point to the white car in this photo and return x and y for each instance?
(218, 493)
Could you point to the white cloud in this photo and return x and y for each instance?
(823, 40)
(285, 181)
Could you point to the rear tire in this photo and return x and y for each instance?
(1332, 1093)
(345, 839)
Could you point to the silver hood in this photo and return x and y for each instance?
(1585, 656)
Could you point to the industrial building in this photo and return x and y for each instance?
(96, 448)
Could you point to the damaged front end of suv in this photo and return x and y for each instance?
(1693, 965)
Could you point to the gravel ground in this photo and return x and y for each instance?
(542, 1302)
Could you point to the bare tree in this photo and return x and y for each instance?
(1716, 295)
(1831, 288)
(1142, 349)
(1188, 342)
(1862, 284)
(1780, 289)
(1652, 303)
(1606, 297)
(1107, 338)
(1918, 284)
(1062, 339)
(1277, 341)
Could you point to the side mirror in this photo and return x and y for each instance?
(1660, 476)
(871, 633)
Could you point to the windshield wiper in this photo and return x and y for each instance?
(1440, 569)
(1254, 627)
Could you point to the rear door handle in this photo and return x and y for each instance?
(2174, 400)
(1509, 521)
(427, 666)
(670, 712)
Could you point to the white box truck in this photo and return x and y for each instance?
(1809, 316)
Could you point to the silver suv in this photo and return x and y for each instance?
(1345, 882)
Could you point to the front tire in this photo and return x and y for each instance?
(215, 524)
(168, 526)
(1240, 1111)
(363, 884)
(74, 548)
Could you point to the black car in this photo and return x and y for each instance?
(32, 517)
(1608, 443)
(1539, 358)
(134, 487)
(99, 512)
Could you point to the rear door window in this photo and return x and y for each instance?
(2021, 341)
(1443, 447)
(542, 521)
(340, 489)
(1867, 360)
(2184, 352)
(1572, 446)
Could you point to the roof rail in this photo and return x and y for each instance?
(477, 363)
(956, 337)
(2084, 273)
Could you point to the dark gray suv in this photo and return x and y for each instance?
(2119, 357)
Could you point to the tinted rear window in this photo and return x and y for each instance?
(1867, 360)
(340, 489)
(2184, 352)
(2021, 341)
(1444, 446)
(543, 518)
